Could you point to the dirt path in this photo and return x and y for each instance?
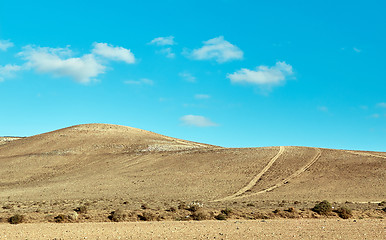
(366, 154)
(255, 179)
(231, 229)
(286, 180)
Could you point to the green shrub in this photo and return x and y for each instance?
(344, 212)
(16, 219)
(324, 207)
(227, 211)
(221, 216)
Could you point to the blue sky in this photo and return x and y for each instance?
(229, 73)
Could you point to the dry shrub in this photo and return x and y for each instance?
(200, 215)
(226, 211)
(81, 209)
(118, 216)
(221, 216)
(61, 218)
(194, 206)
(324, 207)
(73, 216)
(16, 219)
(147, 216)
(344, 212)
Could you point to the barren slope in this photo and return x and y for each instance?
(99, 161)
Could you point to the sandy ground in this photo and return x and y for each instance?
(263, 229)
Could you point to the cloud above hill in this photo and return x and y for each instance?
(217, 49)
(197, 121)
(263, 75)
(60, 62)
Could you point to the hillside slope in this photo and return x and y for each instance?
(96, 161)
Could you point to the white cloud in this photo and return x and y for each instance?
(217, 49)
(142, 81)
(197, 121)
(168, 52)
(187, 76)
(162, 41)
(357, 50)
(323, 109)
(5, 44)
(201, 96)
(8, 71)
(263, 75)
(113, 53)
(382, 104)
(375, 115)
(58, 61)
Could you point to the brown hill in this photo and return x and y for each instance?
(100, 161)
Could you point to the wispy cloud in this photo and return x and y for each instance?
(218, 49)
(142, 81)
(187, 76)
(381, 104)
(263, 75)
(59, 63)
(5, 44)
(201, 96)
(197, 121)
(8, 71)
(357, 50)
(163, 41)
(375, 115)
(323, 108)
(168, 52)
(113, 53)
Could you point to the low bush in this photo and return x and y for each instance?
(221, 216)
(147, 216)
(16, 219)
(200, 215)
(81, 209)
(117, 216)
(227, 211)
(60, 218)
(324, 207)
(344, 212)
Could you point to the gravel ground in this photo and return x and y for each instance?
(263, 229)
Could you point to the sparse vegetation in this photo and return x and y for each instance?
(226, 211)
(323, 207)
(117, 216)
(200, 215)
(194, 206)
(61, 218)
(81, 210)
(147, 216)
(16, 219)
(221, 216)
(344, 212)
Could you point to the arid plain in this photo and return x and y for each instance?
(104, 173)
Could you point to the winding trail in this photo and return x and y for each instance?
(365, 154)
(255, 179)
(240, 193)
(286, 180)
